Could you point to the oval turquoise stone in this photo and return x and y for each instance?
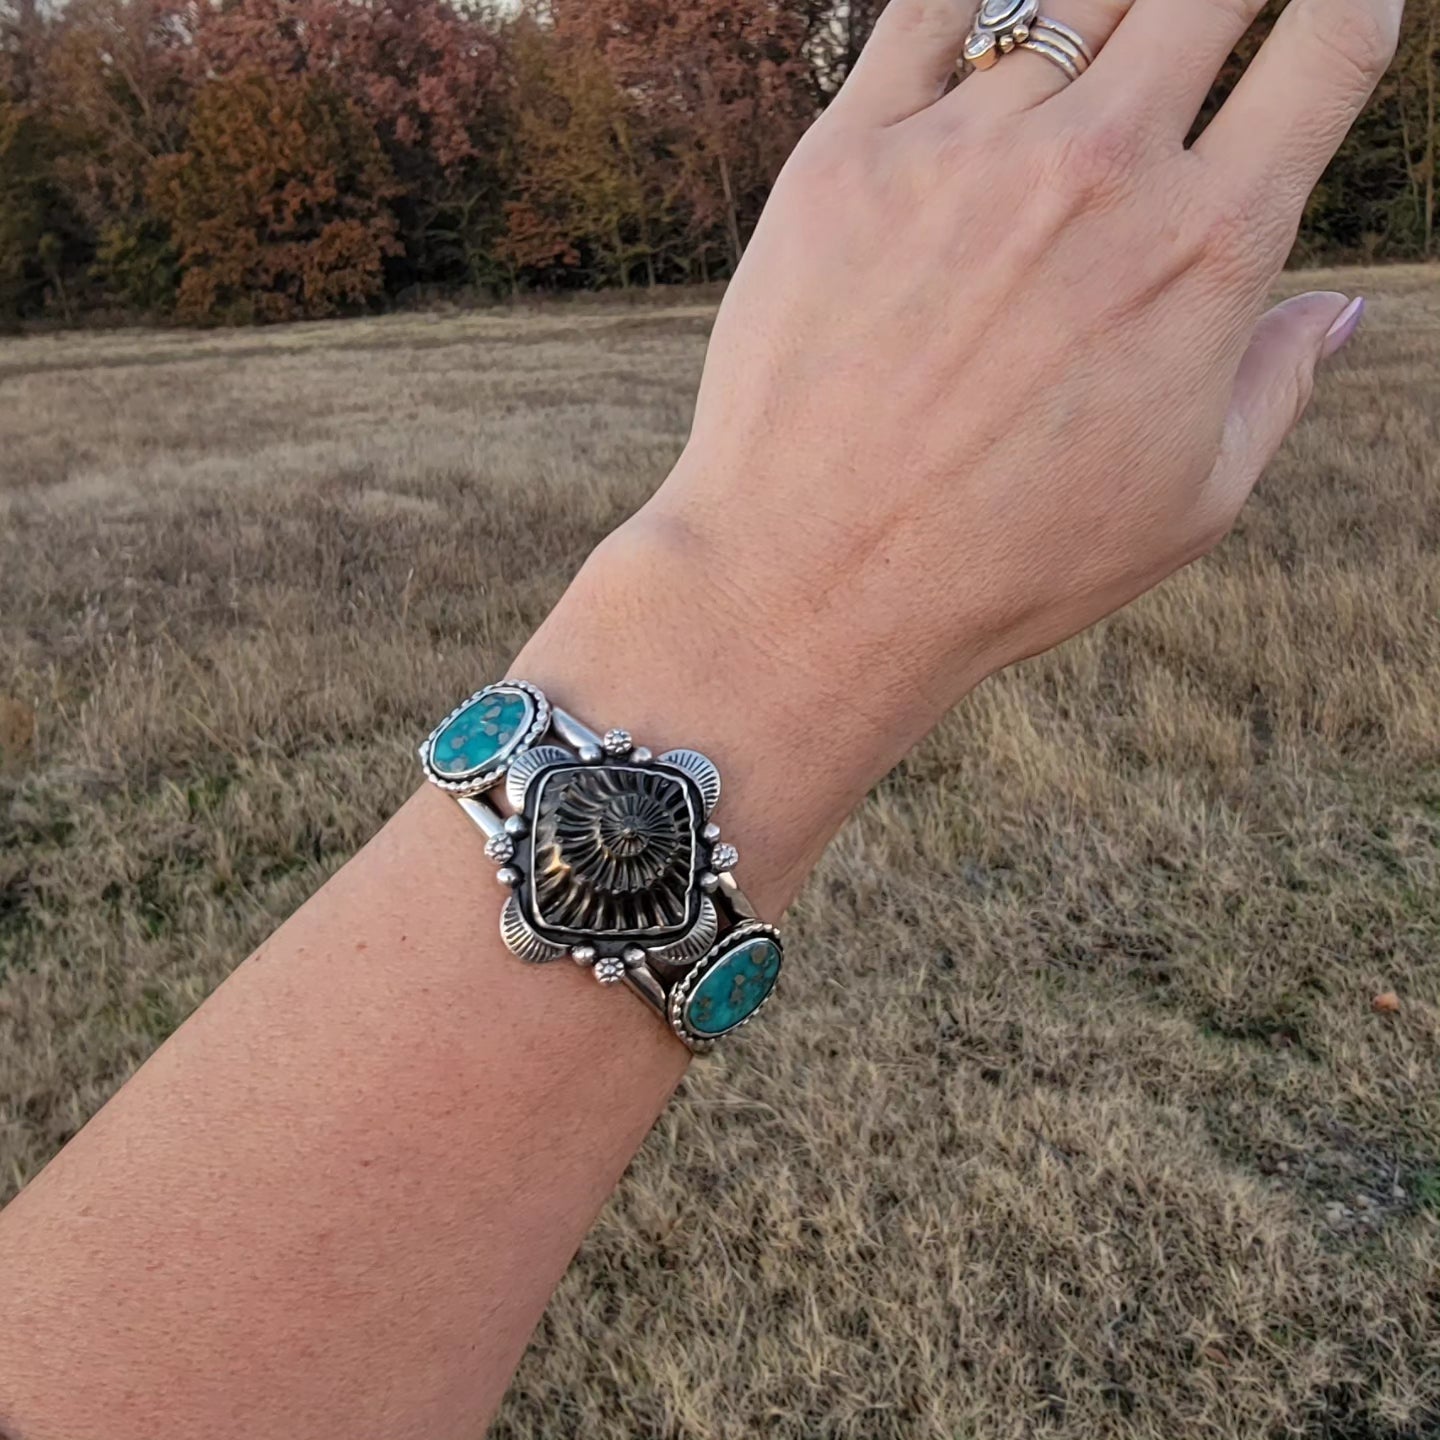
(482, 734)
(733, 988)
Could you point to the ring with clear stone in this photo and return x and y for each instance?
(1003, 26)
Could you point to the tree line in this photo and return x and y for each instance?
(250, 160)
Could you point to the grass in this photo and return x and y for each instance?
(1076, 1120)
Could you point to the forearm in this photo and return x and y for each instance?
(336, 1201)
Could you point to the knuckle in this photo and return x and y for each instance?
(1229, 236)
(1096, 163)
(1286, 396)
(1240, 232)
(1363, 36)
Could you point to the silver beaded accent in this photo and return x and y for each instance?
(589, 754)
(508, 876)
(583, 954)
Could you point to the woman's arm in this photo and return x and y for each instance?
(335, 1202)
(991, 368)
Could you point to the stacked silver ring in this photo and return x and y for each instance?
(1002, 26)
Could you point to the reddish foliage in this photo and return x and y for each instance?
(722, 88)
(534, 241)
(278, 202)
(524, 142)
(427, 75)
(421, 70)
(582, 193)
(117, 91)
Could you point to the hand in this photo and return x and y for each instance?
(991, 366)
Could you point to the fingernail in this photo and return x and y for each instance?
(1348, 322)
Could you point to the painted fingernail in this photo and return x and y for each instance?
(1346, 324)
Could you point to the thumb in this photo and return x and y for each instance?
(1274, 384)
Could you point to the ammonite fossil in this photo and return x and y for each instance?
(614, 851)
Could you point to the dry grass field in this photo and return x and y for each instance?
(1077, 1119)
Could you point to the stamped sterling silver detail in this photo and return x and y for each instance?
(611, 857)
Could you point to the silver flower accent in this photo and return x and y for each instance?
(724, 857)
(617, 742)
(610, 970)
(500, 848)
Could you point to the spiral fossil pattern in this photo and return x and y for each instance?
(614, 852)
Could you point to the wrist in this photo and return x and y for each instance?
(639, 640)
(673, 633)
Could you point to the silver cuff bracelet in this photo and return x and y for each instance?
(611, 858)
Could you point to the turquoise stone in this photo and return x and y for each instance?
(733, 988)
(482, 734)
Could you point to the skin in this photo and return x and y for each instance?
(995, 364)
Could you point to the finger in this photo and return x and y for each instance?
(1282, 124)
(1168, 52)
(1272, 388)
(907, 61)
(1025, 77)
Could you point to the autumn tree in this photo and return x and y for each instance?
(585, 199)
(117, 96)
(722, 92)
(21, 42)
(42, 243)
(298, 156)
(33, 235)
(278, 203)
(426, 74)
(1411, 93)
